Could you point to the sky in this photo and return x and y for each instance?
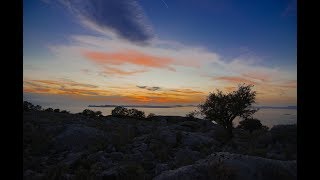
(159, 52)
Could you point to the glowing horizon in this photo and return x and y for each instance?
(87, 55)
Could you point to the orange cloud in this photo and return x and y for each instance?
(131, 57)
(116, 71)
(120, 95)
(61, 87)
(233, 79)
(63, 82)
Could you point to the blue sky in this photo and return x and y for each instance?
(224, 41)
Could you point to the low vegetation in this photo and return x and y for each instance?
(129, 145)
(120, 111)
(251, 124)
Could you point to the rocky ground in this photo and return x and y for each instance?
(73, 146)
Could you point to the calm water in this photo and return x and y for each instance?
(268, 117)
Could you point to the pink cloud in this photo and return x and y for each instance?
(130, 57)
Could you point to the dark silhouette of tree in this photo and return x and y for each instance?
(119, 111)
(250, 124)
(151, 115)
(223, 108)
(98, 113)
(91, 113)
(37, 108)
(64, 111)
(134, 113)
(49, 110)
(27, 106)
(56, 110)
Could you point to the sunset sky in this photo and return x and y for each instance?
(158, 52)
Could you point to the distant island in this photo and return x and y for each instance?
(144, 106)
(277, 107)
(190, 105)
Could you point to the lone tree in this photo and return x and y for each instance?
(223, 108)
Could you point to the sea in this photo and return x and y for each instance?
(268, 116)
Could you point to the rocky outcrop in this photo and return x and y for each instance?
(72, 146)
(223, 165)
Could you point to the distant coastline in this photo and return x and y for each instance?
(175, 106)
(144, 106)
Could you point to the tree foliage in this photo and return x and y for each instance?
(120, 111)
(91, 113)
(223, 108)
(27, 106)
(49, 110)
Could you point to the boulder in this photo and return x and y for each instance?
(225, 165)
(76, 137)
(160, 168)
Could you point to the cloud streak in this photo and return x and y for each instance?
(154, 88)
(125, 18)
(130, 57)
(116, 71)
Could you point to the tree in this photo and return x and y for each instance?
(88, 112)
(223, 108)
(27, 106)
(250, 124)
(119, 111)
(37, 108)
(134, 113)
(56, 110)
(49, 110)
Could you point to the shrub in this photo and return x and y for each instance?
(56, 110)
(27, 106)
(98, 113)
(134, 113)
(49, 110)
(151, 115)
(119, 111)
(250, 124)
(90, 113)
(64, 111)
